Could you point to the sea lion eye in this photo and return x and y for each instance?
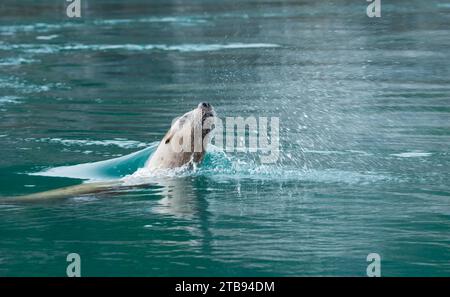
(168, 140)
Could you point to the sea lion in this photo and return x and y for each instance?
(184, 144)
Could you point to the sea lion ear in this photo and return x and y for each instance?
(168, 140)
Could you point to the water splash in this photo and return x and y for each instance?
(217, 165)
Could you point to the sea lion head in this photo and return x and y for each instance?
(186, 140)
(201, 119)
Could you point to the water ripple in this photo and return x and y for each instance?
(54, 48)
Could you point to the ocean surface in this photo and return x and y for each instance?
(363, 167)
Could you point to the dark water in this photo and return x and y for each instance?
(364, 116)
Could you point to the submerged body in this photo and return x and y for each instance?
(83, 189)
(184, 144)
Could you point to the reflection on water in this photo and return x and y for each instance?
(182, 200)
(364, 119)
(179, 198)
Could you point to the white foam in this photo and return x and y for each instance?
(181, 20)
(23, 87)
(15, 61)
(217, 47)
(120, 142)
(47, 37)
(323, 152)
(9, 99)
(54, 48)
(47, 27)
(38, 27)
(145, 175)
(412, 154)
(181, 47)
(84, 199)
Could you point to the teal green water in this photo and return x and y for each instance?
(364, 117)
